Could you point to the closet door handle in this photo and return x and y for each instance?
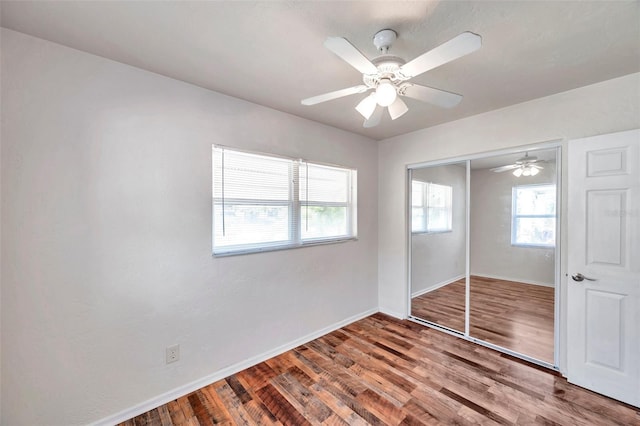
(579, 277)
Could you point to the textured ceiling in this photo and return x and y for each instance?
(271, 53)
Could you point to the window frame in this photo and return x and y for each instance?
(295, 206)
(515, 216)
(426, 186)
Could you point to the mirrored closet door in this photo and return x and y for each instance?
(483, 249)
(438, 244)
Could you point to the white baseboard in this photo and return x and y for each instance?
(437, 286)
(225, 372)
(394, 314)
(518, 280)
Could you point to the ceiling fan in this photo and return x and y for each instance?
(389, 75)
(524, 166)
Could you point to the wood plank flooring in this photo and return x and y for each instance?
(444, 306)
(513, 315)
(382, 371)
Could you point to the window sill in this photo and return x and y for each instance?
(431, 232)
(267, 249)
(533, 246)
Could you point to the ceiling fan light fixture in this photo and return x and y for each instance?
(397, 108)
(385, 92)
(367, 106)
(526, 170)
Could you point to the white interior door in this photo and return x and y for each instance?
(603, 350)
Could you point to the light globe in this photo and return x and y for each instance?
(385, 93)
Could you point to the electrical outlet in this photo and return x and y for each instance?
(173, 353)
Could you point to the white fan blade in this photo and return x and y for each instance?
(397, 108)
(505, 168)
(455, 48)
(433, 96)
(334, 95)
(367, 106)
(347, 51)
(375, 118)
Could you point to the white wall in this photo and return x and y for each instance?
(106, 236)
(490, 249)
(609, 106)
(441, 257)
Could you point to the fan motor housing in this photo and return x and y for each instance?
(388, 66)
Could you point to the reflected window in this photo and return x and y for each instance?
(431, 207)
(534, 216)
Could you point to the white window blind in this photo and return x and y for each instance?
(263, 202)
(325, 194)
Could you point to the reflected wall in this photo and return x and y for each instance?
(491, 250)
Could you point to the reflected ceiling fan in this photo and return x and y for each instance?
(388, 76)
(524, 166)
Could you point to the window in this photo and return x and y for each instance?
(263, 202)
(431, 207)
(534, 216)
(325, 201)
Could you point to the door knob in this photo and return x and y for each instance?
(579, 277)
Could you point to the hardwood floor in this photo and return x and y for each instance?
(383, 371)
(513, 315)
(444, 306)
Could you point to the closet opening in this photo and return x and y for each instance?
(484, 249)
